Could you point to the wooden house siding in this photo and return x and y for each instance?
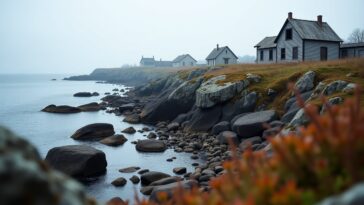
(220, 59)
(312, 50)
(187, 61)
(352, 52)
(288, 45)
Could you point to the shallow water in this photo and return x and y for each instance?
(22, 98)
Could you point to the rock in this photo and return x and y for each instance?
(129, 130)
(78, 161)
(152, 135)
(335, 86)
(252, 124)
(349, 88)
(306, 82)
(299, 119)
(94, 131)
(220, 127)
(132, 119)
(63, 109)
(212, 92)
(245, 104)
(119, 182)
(27, 180)
(271, 92)
(277, 123)
(95, 94)
(83, 94)
(173, 126)
(91, 107)
(150, 146)
(249, 142)
(228, 136)
(143, 171)
(253, 78)
(129, 169)
(116, 201)
(169, 188)
(353, 196)
(167, 180)
(152, 176)
(203, 119)
(129, 106)
(114, 141)
(237, 117)
(271, 132)
(332, 101)
(180, 170)
(134, 179)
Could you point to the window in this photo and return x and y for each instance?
(323, 53)
(226, 60)
(344, 53)
(294, 53)
(289, 34)
(261, 55)
(283, 54)
(270, 54)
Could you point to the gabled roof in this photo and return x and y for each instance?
(311, 30)
(267, 42)
(147, 60)
(181, 57)
(217, 51)
(352, 45)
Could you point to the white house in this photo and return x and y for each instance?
(352, 50)
(221, 56)
(300, 40)
(185, 60)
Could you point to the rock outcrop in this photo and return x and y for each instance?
(306, 82)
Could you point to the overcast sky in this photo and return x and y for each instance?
(76, 36)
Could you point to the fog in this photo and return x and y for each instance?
(76, 36)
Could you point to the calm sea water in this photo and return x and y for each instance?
(22, 98)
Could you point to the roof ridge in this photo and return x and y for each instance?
(306, 20)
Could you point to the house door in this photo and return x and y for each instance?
(323, 53)
(226, 60)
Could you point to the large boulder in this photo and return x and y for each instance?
(220, 127)
(203, 119)
(212, 92)
(150, 146)
(335, 86)
(79, 161)
(152, 176)
(27, 180)
(169, 188)
(227, 137)
(300, 118)
(62, 109)
(90, 107)
(306, 82)
(114, 141)
(252, 124)
(246, 103)
(94, 131)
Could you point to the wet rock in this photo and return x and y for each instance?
(220, 127)
(83, 94)
(129, 130)
(249, 142)
(203, 119)
(90, 107)
(169, 188)
(129, 106)
(129, 169)
(23, 174)
(152, 176)
(115, 201)
(78, 161)
(94, 131)
(152, 135)
(147, 190)
(306, 82)
(167, 180)
(150, 146)
(134, 179)
(62, 109)
(119, 182)
(252, 124)
(132, 119)
(180, 170)
(173, 126)
(227, 137)
(143, 171)
(114, 141)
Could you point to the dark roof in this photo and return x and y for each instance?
(352, 45)
(163, 64)
(217, 51)
(147, 60)
(267, 42)
(181, 57)
(311, 30)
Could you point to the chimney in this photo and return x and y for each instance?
(217, 46)
(319, 20)
(290, 15)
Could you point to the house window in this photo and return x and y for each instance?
(323, 53)
(294, 53)
(344, 53)
(289, 34)
(226, 60)
(283, 54)
(270, 54)
(261, 55)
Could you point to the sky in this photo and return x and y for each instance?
(76, 36)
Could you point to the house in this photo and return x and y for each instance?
(185, 60)
(300, 40)
(266, 50)
(151, 62)
(221, 56)
(352, 50)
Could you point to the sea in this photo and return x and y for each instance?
(23, 96)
